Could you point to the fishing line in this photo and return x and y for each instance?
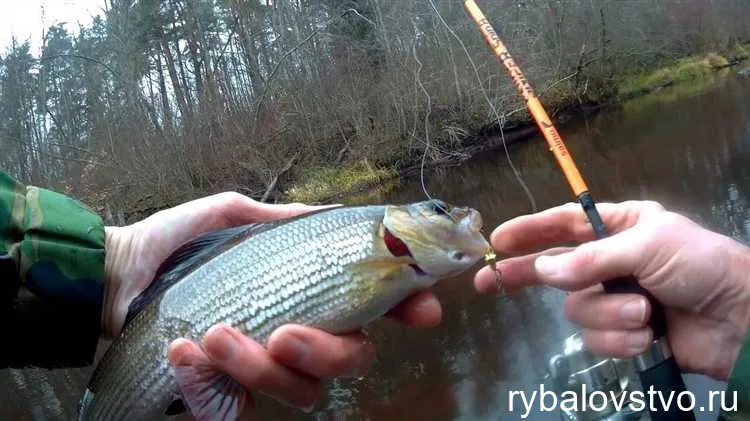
(491, 257)
(500, 120)
(418, 81)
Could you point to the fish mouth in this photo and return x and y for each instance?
(427, 229)
(471, 222)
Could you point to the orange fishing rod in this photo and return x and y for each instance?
(656, 367)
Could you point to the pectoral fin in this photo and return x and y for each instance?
(208, 393)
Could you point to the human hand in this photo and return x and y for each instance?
(296, 358)
(702, 279)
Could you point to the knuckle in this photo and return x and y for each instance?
(335, 362)
(672, 219)
(253, 372)
(571, 207)
(664, 226)
(351, 358)
(565, 208)
(262, 376)
(595, 341)
(231, 197)
(326, 359)
(572, 307)
(652, 206)
(612, 342)
(586, 256)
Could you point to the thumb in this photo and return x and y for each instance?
(237, 209)
(591, 263)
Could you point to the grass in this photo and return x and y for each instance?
(319, 184)
(683, 70)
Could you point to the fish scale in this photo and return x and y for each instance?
(305, 271)
(271, 285)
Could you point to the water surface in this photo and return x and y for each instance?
(687, 148)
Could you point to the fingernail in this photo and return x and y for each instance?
(172, 346)
(296, 350)
(308, 409)
(638, 341)
(634, 311)
(550, 266)
(366, 355)
(220, 343)
(182, 358)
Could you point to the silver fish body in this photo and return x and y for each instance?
(334, 270)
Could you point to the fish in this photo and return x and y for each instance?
(337, 269)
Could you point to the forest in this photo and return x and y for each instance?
(161, 101)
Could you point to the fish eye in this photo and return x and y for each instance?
(456, 255)
(439, 207)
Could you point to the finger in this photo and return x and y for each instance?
(618, 343)
(184, 352)
(593, 262)
(595, 309)
(419, 310)
(515, 272)
(238, 209)
(224, 210)
(565, 223)
(250, 365)
(320, 354)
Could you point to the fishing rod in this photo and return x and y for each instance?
(656, 367)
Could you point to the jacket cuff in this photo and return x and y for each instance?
(57, 247)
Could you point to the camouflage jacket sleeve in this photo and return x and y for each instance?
(51, 278)
(737, 395)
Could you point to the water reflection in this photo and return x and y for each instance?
(689, 150)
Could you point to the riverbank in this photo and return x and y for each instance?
(350, 183)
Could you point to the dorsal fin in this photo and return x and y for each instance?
(196, 252)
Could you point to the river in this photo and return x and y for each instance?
(687, 147)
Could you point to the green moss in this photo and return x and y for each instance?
(717, 61)
(684, 70)
(675, 93)
(740, 51)
(323, 183)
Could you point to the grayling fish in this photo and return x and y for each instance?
(337, 269)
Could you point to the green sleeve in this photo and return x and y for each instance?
(51, 278)
(738, 389)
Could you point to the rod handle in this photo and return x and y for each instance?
(629, 284)
(665, 379)
(657, 368)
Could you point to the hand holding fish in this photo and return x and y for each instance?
(701, 278)
(295, 359)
